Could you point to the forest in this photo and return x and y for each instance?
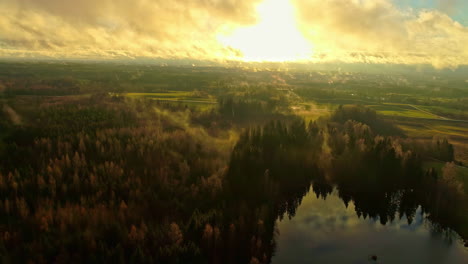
(94, 176)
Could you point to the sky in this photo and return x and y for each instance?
(456, 9)
(409, 32)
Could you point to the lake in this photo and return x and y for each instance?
(326, 231)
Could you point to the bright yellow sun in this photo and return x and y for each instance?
(275, 38)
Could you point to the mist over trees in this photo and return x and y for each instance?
(129, 181)
(90, 174)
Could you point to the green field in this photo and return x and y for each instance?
(191, 99)
(446, 112)
(416, 121)
(387, 109)
(401, 110)
(175, 96)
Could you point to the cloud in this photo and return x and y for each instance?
(115, 28)
(376, 31)
(369, 31)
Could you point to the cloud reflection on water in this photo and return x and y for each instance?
(325, 231)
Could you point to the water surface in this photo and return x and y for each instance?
(325, 231)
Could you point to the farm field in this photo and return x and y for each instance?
(387, 109)
(416, 121)
(175, 96)
(189, 99)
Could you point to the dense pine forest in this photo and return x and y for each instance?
(107, 178)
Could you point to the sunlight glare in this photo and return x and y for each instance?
(275, 38)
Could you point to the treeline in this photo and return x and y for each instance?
(270, 171)
(253, 103)
(366, 120)
(263, 157)
(365, 116)
(238, 109)
(273, 165)
(376, 172)
(105, 179)
(34, 86)
(244, 107)
(384, 176)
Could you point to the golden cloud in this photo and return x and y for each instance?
(116, 28)
(365, 31)
(376, 31)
